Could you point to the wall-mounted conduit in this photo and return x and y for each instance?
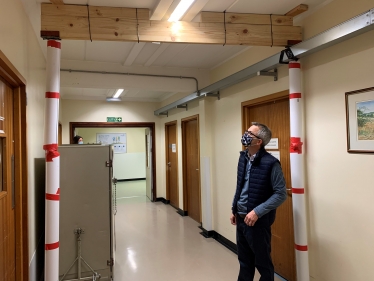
(134, 74)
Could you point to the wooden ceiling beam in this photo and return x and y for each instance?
(57, 2)
(245, 18)
(297, 10)
(125, 24)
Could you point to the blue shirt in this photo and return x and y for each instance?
(278, 197)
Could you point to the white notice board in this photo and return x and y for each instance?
(118, 140)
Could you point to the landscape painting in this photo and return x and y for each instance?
(365, 120)
(359, 108)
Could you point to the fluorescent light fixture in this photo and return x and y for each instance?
(180, 10)
(113, 99)
(118, 93)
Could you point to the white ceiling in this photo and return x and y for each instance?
(165, 59)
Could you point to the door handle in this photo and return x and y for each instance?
(169, 164)
(197, 169)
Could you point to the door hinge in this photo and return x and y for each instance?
(108, 163)
(110, 262)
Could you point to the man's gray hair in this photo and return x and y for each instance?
(264, 133)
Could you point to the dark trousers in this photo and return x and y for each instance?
(254, 247)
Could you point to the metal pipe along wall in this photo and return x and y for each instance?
(297, 172)
(52, 157)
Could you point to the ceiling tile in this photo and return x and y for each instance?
(72, 49)
(108, 51)
(204, 56)
(169, 54)
(146, 53)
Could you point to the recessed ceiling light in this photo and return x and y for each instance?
(113, 99)
(180, 10)
(118, 93)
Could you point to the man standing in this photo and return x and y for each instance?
(260, 190)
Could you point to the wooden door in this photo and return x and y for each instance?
(7, 196)
(273, 111)
(191, 167)
(171, 164)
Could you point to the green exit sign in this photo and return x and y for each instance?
(114, 119)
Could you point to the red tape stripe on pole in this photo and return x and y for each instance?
(298, 190)
(294, 65)
(302, 248)
(51, 154)
(52, 246)
(52, 197)
(52, 95)
(54, 44)
(295, 96)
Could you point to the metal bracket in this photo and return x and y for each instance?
(108, 163)
(110, 262)
(268, 73)
(183, 106)
(371, 16)
(165, 113)
(216, 94)
(289, 55)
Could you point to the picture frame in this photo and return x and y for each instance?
(359, 107)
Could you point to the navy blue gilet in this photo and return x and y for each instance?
(260, 188)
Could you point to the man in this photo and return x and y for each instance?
(77, 140)
(260, 190)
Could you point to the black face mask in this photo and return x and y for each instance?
(246, 139)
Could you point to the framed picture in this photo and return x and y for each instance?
(359, 106)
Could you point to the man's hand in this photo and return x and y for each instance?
(233, 219)
(251, 218)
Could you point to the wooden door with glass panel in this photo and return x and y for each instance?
(7, 199)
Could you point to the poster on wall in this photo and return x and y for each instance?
(118, 140)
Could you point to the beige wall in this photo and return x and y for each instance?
(339, 185)
(21, 47)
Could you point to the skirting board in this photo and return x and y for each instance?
(163, 200)
(138, 179)
(220, 239)
(182, 213)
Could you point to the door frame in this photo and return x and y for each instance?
(166, 157)
(150, 125)
(18, 83)
(247, 104)
(185, 193)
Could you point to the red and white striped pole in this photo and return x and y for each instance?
(52, 196)
(297, 172)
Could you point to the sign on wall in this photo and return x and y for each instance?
(119, 141)
(273, 144)
(114, 119)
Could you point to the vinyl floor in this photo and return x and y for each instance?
(153, 242)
